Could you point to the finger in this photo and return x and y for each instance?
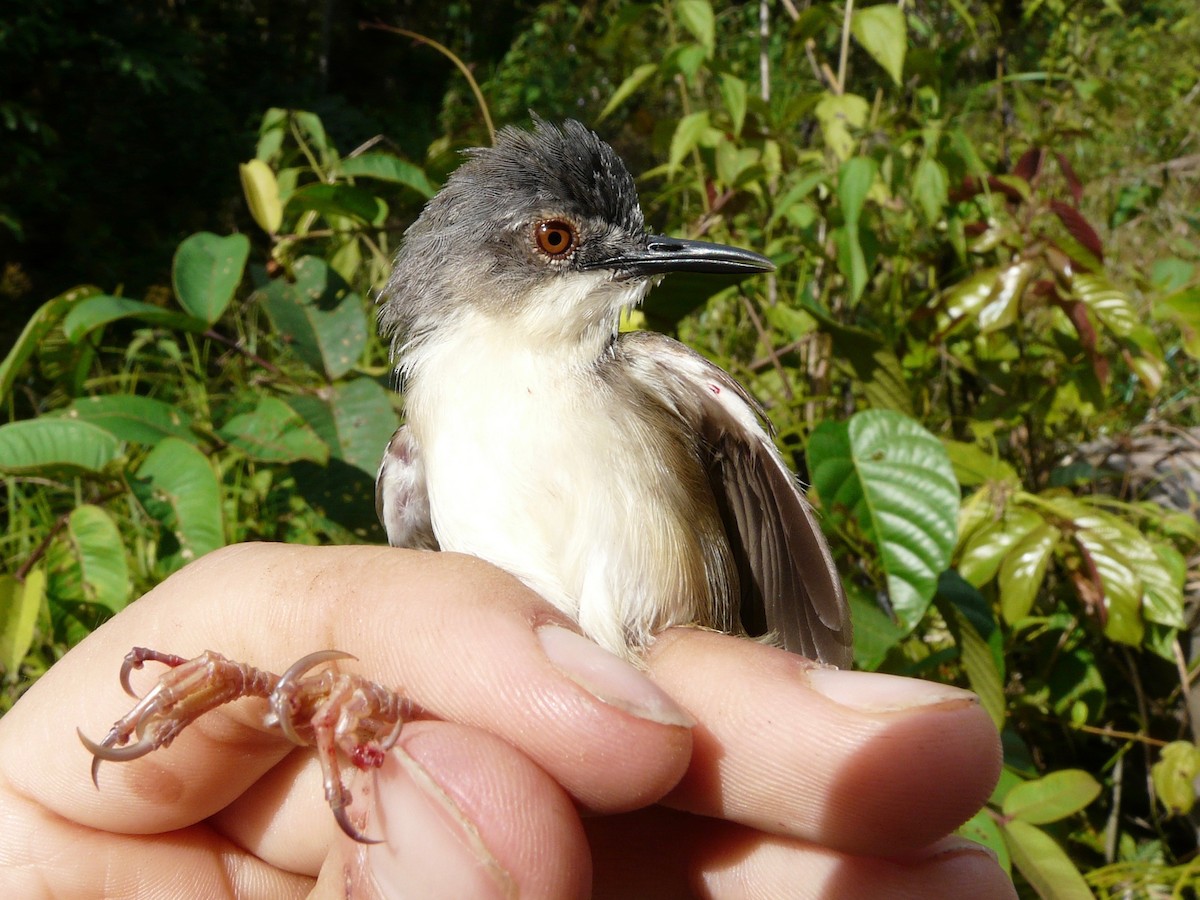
(666, 854)
(461, 814)
(46, 855)
(462, 639)
(865, 763)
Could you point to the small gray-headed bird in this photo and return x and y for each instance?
(623, 477)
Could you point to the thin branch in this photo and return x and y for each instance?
(845, 51)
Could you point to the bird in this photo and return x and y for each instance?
(622, 476)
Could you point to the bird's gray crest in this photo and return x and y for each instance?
(473, 232)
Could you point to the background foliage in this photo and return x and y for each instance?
(981, 345)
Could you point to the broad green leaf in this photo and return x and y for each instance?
(894, 477)
(974, 466)
(990, 298)
(20, 603)
(1111, 306)
(627, 88)
(262, 195)
(1023, 569)
(131, 417)
(1174, 777)
(177, 486)
(883, 32)
(98, 310)
(1043, 863)
(931, 188)
(320, 316)
(37, 445)
(1121, 587)
(387, 167)
(697, 17)
(687, 134)
(207, 270)
(982, 828)
(100, 552)
(733, 93)
(355, 422)
(983, 551)
(838, 113)
(274, 432)
(339, 200)
(1052, 797)
(855, 178)
(40, 324)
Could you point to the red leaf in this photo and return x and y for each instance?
(1029, 166)
(1076, 311)
(1006, 189)
(1073, 182)
(1077, 226)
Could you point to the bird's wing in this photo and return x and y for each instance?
(401, 497)
(788, 581)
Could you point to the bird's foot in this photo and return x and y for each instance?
(330, 711)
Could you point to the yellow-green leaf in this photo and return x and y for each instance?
(1043, 863)
(262, 195)
(1023, 569)
(20, 603)
(626, 88)
(1174, 777)
(837, 115)
(1052, 797)
(883, 32)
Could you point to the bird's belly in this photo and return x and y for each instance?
(558, 487)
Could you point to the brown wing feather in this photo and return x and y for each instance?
(788, 582)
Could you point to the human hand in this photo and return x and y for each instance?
(552, 768)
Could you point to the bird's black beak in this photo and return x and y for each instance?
(667, 254)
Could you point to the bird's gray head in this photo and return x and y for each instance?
(544, 228)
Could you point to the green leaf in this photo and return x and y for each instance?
(1022, 571)
(355, 422)
(100, 552)
(1052, 797)
(339, 200)
(1121, 587)
(387, 167)
(982, 828)
(131, 417)
(984, 548)
(697, 17)
(985, 679)
(318, 313)
(1111, 306)
(883, 33)
(1174, 777)
(37, 445)
(40, 324)
(875, 634)
(854, 182)
(930, 187)
(733, 93)
(1182, 308)
(274, 432)
(177, 486)
(626, 88)
(974, 466)
(98, 310)
(687, 135)
(1043, 863)
(838, 113)
(261, 190)
(207, 270)
(894, 477)
(20, 603)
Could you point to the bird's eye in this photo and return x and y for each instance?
(555, 237)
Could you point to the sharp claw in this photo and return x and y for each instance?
(117, 754)
(283, 715)
(351, 832)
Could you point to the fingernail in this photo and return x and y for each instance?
(875, 692)
(429, 849)
(609, 677)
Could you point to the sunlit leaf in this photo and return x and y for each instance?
(262, 195)
(132, 417)
(100, 553)
(974, 466)
(274, 432)
(387, 167)
(1052, 797)
(40, 324)
(1044, 863)
(983, 552)
(627, 88)
(894, 477)
(1174, 777)
(983, 829)
(339, 200)
(177, 486)
(207, 270)
(838, 114)
(733, 93)
(687, 134)
(98, 310)
(1022, 571)
(1110, 305)
(697, 17)
(883, 33)
(49, 443)
(20, 603)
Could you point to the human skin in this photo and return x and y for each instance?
(541, 767)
